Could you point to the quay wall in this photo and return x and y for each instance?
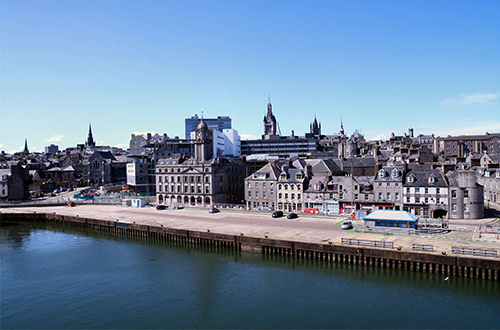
(421, 261)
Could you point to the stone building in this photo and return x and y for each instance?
(425, 193)
(388, 187)
(201, 180)
(261, 187)
(466, 196)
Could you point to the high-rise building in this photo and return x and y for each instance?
(220, 123)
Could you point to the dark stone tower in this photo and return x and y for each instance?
(90, 140)
(315, 128)
(269, 123)
(26, 150)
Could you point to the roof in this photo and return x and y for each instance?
(387, 215)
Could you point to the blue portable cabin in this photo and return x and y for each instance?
(389, 218)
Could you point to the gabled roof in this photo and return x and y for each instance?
(386, 215)
(420, 178)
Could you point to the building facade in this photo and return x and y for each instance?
(217, 124)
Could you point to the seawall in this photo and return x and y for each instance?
(420, 261)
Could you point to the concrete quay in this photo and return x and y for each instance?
(308, 236)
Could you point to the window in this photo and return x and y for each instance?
(379, 195)
(271, 191)
(453, 207)
(249, 194)
(417, 190)
(256, 194)
(256, 185)
(407, 199)
(396, 196)
(438, 190)
(355, 196)
(411, 179)
(426, 190)
(366, 197)
(453, 194)
(407, 190)
(388, 196)
(466, 193)
(249, 185)
(264, 194)
(417, 199)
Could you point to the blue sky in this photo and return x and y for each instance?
(145, 66)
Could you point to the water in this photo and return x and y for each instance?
(64, 278)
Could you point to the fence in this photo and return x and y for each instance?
(422, 247)
(367, 242)
(385, 230)
(481, 252)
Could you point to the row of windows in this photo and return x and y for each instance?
(419, 190)
(190, 178)
(187, 189)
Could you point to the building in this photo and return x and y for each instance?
(202, 179)
(261, 187)
(14, 181)
(463, 145)
(388, 187)
(282, 147)
(52, 149)
(218, 124)
(138, 178)
(391, 219)
(425, 193)
(466, 196)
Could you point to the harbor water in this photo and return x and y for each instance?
(60, 277)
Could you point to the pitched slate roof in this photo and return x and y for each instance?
(420, 178)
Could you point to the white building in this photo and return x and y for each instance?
(226, 143)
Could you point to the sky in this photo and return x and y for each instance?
(144, 66)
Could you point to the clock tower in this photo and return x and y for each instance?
(203, 142)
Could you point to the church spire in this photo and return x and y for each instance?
(341, 127)
(26, 150)
(90, 140)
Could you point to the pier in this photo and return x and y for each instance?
(303, 240)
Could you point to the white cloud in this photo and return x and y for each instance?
(460, 127)
(122, 145)
(380, 136)
(248, 137)
(473, 99)
(55, 138)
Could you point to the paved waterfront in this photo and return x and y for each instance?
(464, 233)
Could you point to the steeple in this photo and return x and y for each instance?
(341, 127)
(26, 150)
(90, 140)
(269, 122)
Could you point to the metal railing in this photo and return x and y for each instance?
(480, 252)
(422, 247)
(367, 242)
(385, 230)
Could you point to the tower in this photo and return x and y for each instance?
(90, 140)
(203, 142)
(315, 128)
(269, 123)
(26, 150)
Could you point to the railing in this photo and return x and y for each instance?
(422, 247)
(385, 230)
(367, 242)
(481, 252)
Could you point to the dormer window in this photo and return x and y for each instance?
(432, 179)
(395, 173)
(381, 173)
(411, 179)
(298, 176)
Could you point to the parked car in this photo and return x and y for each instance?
(161, 207)
(213, 210)
(292, 216)
(347, 224)
(277, 214)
